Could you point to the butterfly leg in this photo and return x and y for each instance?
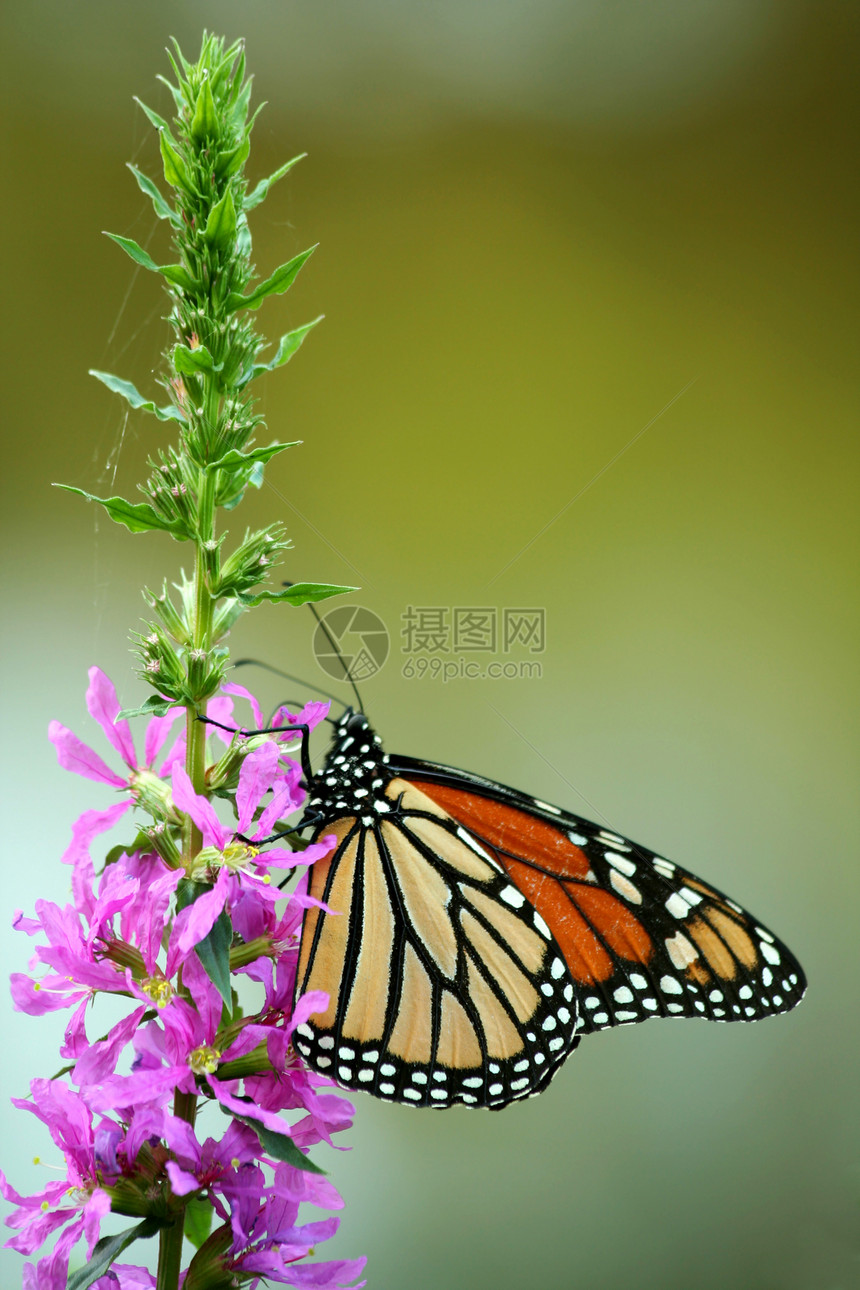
(303, 730)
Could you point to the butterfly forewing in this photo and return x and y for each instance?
(641, 937)
(444, 984)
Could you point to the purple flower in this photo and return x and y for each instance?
(89, 1153)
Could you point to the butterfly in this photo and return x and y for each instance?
(477, 933)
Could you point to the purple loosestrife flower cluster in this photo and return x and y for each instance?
(192, 1114)
(110, 1112)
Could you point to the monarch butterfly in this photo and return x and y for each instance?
(478, 933)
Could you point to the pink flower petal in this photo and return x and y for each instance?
(196, 921)
(242, 693)
(104, 706)
(255, 779)
(200, 809)
(76, 756)
(309, 1004)
(89, 826)
(157, 731)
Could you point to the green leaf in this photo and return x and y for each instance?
(233, 459)
(289, 345)
(174, 167)
(187, 891)
(179, 276)
(154, 119)
(155, 706)
(281, 280)
(134, 398)
(261, 192)
(138, 517)
(214, 953)
(221, 224)
(191, 361)
(161, 207)
(229, 162)
(299, 593)
(204, 123)
(278, 1145)
(136, 252)
(198, 1220)
(108, 1249)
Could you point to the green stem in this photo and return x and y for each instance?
(170, 1241)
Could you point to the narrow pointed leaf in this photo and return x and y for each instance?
(174, 167)
(229, 162)
(155, 706)
(278, 1145)
(175, 93)
(179, 276)
(204, 124)
(153, 117)
(297, 594)
(136, 252)
(233, 459)
(261, 192)
(138, 517)
(221, 224)
(214, 953)
(134, 398)
(281, 280)
(107, 1250)
(191, 361)
(289, 345)
(160, 206)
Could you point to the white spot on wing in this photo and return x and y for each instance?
(514, 898)
(621, 863)
(677, 906)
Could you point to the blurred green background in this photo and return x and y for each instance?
(539, 222)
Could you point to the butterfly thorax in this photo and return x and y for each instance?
(354, 775)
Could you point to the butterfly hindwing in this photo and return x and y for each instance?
(444, 984)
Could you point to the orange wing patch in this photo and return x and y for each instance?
(589, 924)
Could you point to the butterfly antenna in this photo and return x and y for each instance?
(346, 672)
(278, 671)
